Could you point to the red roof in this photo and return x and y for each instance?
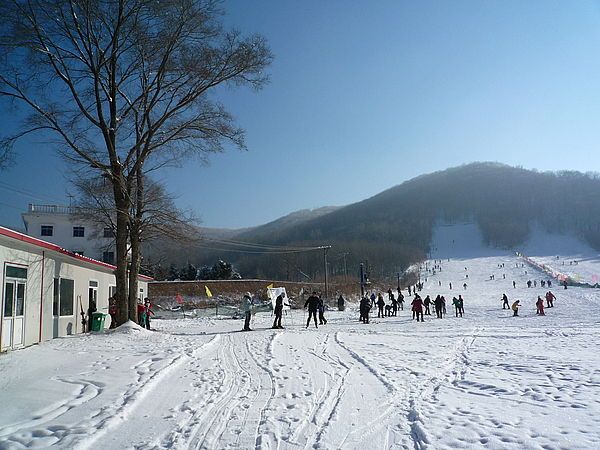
(49, 246)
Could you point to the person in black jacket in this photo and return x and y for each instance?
(365, 307)
(380, 304)
(313, 305)
(321, 309)
(279, 310)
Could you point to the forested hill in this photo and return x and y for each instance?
(394, 228)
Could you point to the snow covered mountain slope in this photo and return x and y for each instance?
(486, 380)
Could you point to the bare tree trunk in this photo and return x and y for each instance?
(135, 235)
(122, 203)
(134, 270)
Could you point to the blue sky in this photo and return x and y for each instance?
(364, 95)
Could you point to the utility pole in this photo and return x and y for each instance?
(362, 280)
(325, 250)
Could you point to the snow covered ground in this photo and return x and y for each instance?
(486, 380)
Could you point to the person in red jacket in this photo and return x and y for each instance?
(141, 312)
(550, 297)
(540, 306)
(417, 308)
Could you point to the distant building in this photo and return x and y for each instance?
(62, 226)
(45, 289)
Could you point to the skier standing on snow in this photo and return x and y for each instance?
(147, 312)
(514, 284)
(341, 302)
(365, 307)
(515, 308)
(279, 311)
(540, 306)
(313, 305)
(550, 297)
(417, 308)
(247, 308)
(438, 306)
(380, 305)
(401, 300)
(456, 304)
(505, 304)
(427, 302)
(394, 306)
(461, 305)
(321, 307)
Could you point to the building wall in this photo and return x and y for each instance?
(93, 244)
(43, 266)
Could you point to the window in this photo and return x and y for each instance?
(112, 291)
(16, 272)
(108, 232)
(78, 231)
(108, 257)
(67, 289)
(93, 283)
(47, 230)
(55, 297)
(9, 291)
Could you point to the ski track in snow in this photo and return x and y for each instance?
(486, 380)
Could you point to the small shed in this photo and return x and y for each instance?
(45, 288)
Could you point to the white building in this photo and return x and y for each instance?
(45, 288)
(62, 226)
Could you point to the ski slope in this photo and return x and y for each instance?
(487, 380)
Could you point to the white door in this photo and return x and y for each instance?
(13, 314)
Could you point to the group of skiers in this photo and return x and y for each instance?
(539, 304)
(543, 283)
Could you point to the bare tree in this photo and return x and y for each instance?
(154, 217)
(124, 86)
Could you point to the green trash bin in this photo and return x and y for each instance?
(97, 321)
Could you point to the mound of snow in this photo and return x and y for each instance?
(130, 327)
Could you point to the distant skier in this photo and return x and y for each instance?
(529, 283)
(341, 303)
(417, 308)
(401, 301)
(427, 303)
(550, 297)
(365, 307)
(147, 312)
(461, 305)
(450, 285)
(505, 304)
(409, 294)
(247, 308)
(278, 311)
(313, 306)
(540, 306)
(514, 284)
(549, 283)
(465, 286)
(380, 304)
(515, 307)
(373, 298)
(565, 284)
(321, 308)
